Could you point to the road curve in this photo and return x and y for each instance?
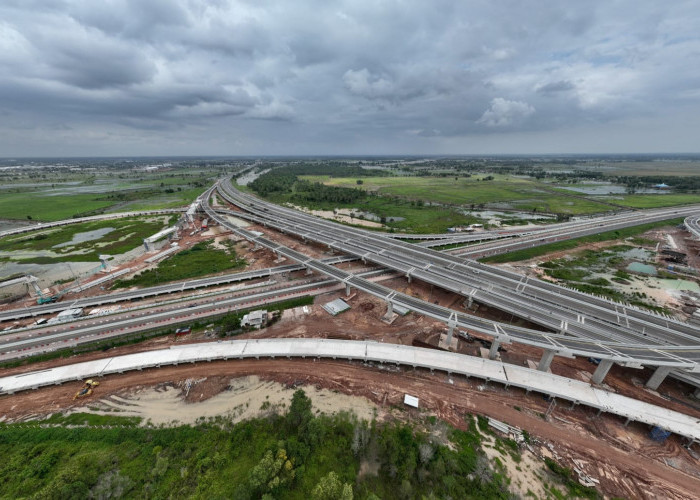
(368, 352)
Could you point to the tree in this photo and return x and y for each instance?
(329, 487)
(360, 182)
(299, 413)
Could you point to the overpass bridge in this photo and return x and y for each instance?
(628, 326)
(368, 352)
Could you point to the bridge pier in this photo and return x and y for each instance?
(309, 271)
(659, 376)
(697, 393)
(493, 351)
(347, 289)
(408, 277)
(546, 360)
(602, 370)
(389, 309)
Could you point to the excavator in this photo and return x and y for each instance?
(86, 390)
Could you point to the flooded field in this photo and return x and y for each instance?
(86, 236)
(638, 267)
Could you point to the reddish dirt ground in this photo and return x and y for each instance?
(573, 433)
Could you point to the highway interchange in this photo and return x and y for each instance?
(581, 325)
(638, 338)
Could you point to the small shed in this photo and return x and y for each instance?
(410, 401)
(254, 318)
(335, 307)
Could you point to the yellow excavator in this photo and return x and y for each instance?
(86, 390)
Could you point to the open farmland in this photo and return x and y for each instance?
(502, 192)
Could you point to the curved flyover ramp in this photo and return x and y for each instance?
(458, 364)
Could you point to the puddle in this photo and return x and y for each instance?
(679, 285)
(638, 267)
(492, 214)
(601, 188)
(86, 236)
(638, 254)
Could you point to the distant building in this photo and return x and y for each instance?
(662, 186)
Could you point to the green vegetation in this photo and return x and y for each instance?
(49, 208)
(127, 235)
(416, 216)
(231, 323)
(201, 259)
(656, 200)
(565, 475)
(530, 253)
(475, 191)
(575, 271)
(292, 456)
(54, 193)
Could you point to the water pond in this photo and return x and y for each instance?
(86, 236)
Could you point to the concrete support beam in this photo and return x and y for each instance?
(545, 361)
(493, 351)
(659, 376)
(602, 370)
(408, 277)
(347, 289)
(389, 309)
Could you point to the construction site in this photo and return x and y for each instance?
(603, 447)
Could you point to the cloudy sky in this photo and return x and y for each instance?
(220, 77)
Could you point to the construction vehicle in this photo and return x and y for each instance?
(86, 390)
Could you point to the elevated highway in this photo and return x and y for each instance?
(92, 218)
(692, 223)
(368, 352)
(542, 304)
(153, 291)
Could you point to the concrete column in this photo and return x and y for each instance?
(309, 271)
(450, 331)
(602, 370)
(493, 351)
(659, 375)
(347, 289)
(408, 277)
(545, 361)
(389, 309)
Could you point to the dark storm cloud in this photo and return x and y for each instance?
(242, 77)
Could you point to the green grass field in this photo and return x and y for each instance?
(127, 235)
(655, 200)
(49, 208)
(513, 192)
(199, 260)
(418, 219)
(530, 253)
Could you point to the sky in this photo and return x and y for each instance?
(348, 77)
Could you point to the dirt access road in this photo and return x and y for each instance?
(573, 434)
